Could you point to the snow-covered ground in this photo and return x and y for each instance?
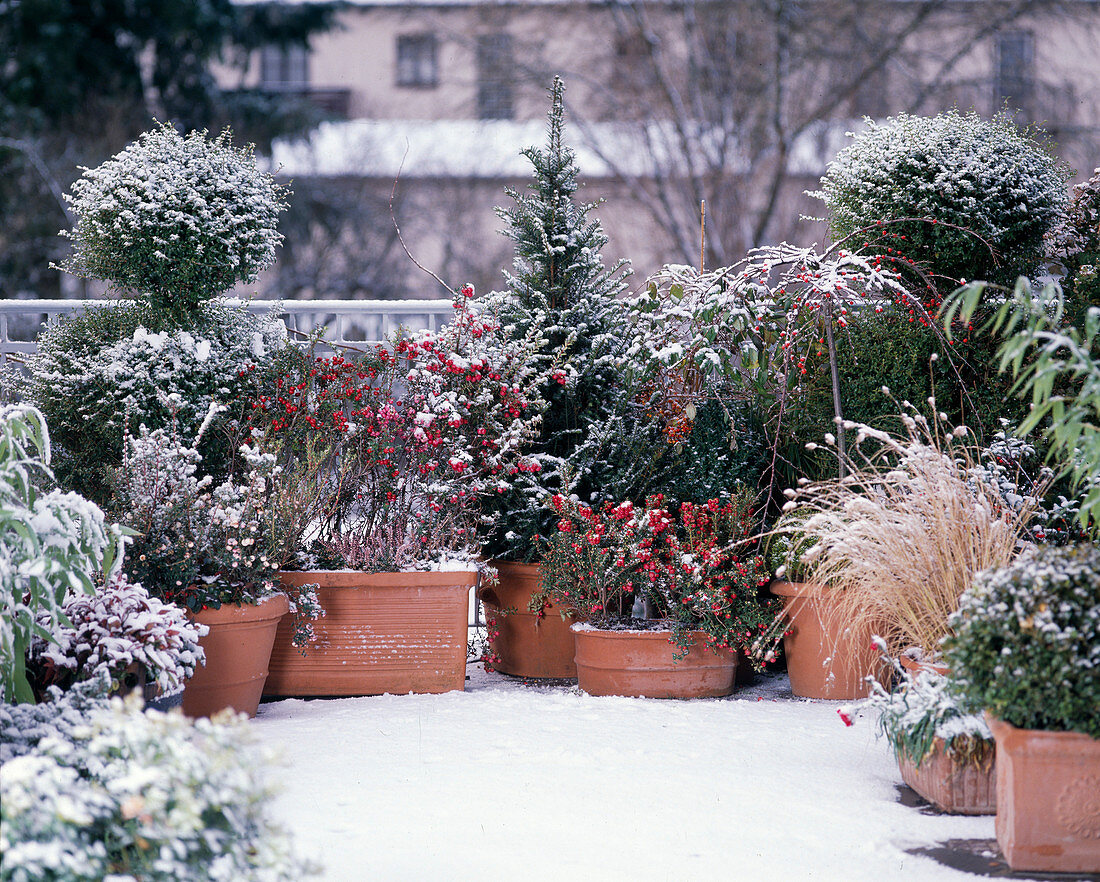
(507, 780)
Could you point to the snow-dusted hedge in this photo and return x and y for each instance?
(180, 219)
(985, 175)
(111, 369)
(142, 796)
(118, 626)
(1027, 640)
(50, 544)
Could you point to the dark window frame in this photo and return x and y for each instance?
(417, 61)
(496, 76)
(284, 67)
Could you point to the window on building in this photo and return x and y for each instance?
(495, 76)
(1014, 80)
(417, 60)
(284, 67)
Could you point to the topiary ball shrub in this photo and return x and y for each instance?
(1026, 642)
(986, 176)
(178, 219)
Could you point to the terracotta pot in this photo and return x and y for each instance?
(381, 632)
(823, 662)
(641, 664)
(527, 644)
(951, 784)
(1048, 799)
(915, 667)
(238, 648)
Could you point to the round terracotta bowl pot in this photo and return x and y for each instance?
(641, 664)
(1048, 799)
(823, 661)
(238, 649)
(527, 644)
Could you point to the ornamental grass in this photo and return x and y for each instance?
(901, 537)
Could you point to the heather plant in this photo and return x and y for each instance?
(151, 796)
(386, 459)
(560, 288)
(51, 543)
(901, 537)
(1026, 640)
(99, 375)
(176, 219)
(965, 197)
(117, 628)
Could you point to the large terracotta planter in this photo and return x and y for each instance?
(823, 662)
(641, 664)
(381, 632)
(526, 644)
(951, 784)
(1048, 799)
(238, 648)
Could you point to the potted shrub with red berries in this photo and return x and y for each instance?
(667, 598)
(384, 458)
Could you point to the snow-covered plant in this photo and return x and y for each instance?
(143, 796)
(119, 626)
(691, 571)
(1026, 641)
(968, 198)
(178, 219)
(559, 289)
(51, 543)
(901, 537)
(23, 726)
(201, 544)
(924, 708)
(101, 374)
(385, 460)
(1075, 244)
(1056, 364)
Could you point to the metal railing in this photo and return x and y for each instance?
(346, 322)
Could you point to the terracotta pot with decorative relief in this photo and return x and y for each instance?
(526, 644)
(381, 632)
(1048, 799)
(643, 664)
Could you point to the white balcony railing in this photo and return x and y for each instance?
(346, 322)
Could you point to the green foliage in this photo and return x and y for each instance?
(1056, 365)
(1026, 645)
(50, 544)
(981, 195)
(179, 220)
(105, 372)
(560, 287)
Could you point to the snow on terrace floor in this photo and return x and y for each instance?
(547, 783)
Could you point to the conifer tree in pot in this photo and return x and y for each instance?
(560, 286)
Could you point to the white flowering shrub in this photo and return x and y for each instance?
(99, 375)
(179, 219)
(50, 544)
(119, 626)
(23, 726)
(143, 796)
(1026, 642)
(968, 198)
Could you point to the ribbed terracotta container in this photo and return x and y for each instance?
(951, 785)
(821, 663)
(1048, 799)
(528, 645)
(237, 648)
(640, 664)
(381, 632)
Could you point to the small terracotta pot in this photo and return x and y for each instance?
(381, 632)
(823, 662)
(915, 667)
(641, 664)
(527, 644)
(1048, 799)
(238, 648)
(951, 784)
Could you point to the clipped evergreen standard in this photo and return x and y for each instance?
(558, 287)
(987, 176)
